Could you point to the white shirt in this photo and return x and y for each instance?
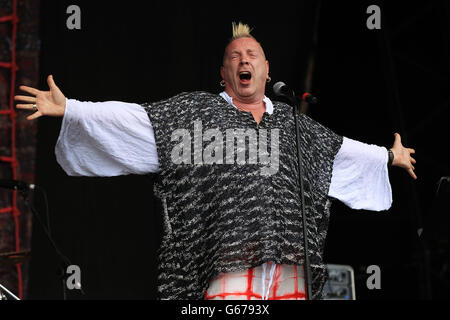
(116, 138)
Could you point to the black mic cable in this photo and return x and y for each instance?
(24, 189)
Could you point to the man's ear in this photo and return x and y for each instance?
(267, 64)
(222, 72)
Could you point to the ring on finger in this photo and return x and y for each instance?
(34, 107)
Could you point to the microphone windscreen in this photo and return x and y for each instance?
(277, 88)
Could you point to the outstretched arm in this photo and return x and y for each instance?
(44, 103)
(360, 173)
(97, 138)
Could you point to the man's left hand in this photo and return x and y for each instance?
(402, 156)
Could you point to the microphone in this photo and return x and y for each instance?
(15, 185)
(308, 97)
(283, 90)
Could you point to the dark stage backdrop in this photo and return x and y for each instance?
(136, 52)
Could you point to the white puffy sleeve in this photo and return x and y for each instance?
(106, 139)
(360, 176)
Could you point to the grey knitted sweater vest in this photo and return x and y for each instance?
(233, 213)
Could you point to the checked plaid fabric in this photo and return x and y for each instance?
(282, 282)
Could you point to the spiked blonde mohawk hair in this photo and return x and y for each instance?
(240, 30)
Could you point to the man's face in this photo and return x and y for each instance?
(245, 70)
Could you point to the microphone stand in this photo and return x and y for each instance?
(295, 103)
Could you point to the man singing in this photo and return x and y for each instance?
(228, 177)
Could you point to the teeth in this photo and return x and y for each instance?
(245, 75)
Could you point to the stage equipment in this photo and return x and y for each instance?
(340, 284)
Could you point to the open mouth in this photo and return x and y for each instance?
(245, 75)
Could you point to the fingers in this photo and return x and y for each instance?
(25, 98)
(30, 107)
(411, 151)
(412, 168)
(51, 83)
(398, 138)
(412, 162)
(412, 174)
(25, 106)
(35, 115)
(30, 90)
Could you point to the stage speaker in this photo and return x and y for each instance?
(340, 284)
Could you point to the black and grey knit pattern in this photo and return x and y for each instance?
(228, 217)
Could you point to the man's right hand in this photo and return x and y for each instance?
(48, 103)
